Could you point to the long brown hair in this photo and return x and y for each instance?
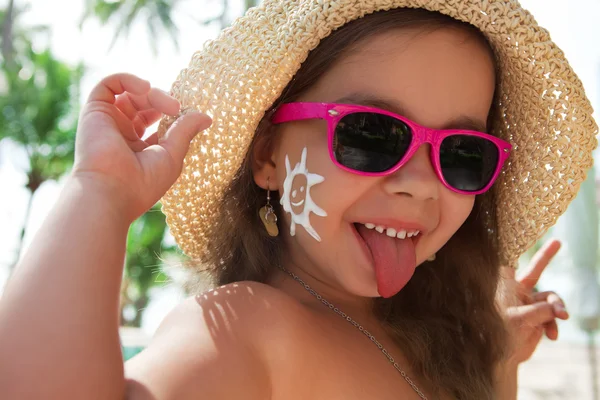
(445, 319)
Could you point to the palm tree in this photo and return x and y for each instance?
(250, 3)
(15, 38)
(38, 107)
(157, 13)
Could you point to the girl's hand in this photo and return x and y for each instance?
(528, 312)
(110, 152)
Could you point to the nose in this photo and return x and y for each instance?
(416, 178)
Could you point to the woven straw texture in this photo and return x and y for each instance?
(544, 112)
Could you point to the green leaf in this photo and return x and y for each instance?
(158, 15)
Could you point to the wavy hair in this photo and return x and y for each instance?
(445, 319)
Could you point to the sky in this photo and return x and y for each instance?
(573, 25)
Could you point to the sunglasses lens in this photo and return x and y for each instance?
(468, 162)
(370, 142)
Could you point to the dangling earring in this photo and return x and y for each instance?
(431, 257)
(268, 216)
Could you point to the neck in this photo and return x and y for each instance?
(357, 307)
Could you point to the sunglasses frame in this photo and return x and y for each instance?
(334, 112)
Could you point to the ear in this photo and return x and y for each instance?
(263, 158)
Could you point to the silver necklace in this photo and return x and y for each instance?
(359, 327)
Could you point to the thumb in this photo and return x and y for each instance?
(177, 138)
(532, 315)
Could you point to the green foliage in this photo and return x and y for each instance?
(38, 103)
(39, 97)
(157, 14)
(123, 13)
(251, 3)
(37, 110)
(104, 10)
(145, 246)
(16, 39)
(145, 249)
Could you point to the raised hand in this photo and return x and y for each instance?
(529, 313)
(111, 151)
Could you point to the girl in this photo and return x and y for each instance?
(342, 200)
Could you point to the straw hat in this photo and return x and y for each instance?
(544, 112)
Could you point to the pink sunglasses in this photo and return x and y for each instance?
(372, 142)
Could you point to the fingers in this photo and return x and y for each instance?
(152, 139)
(535, 314)
(130, 104)
(144, 110)
(164, 160)
(144, 119)
(138, 146)
(163, 102)
(177, 138)
(538, 263)
(553, 299)
(138, 104)
(116, 84)
(542, 313)
(125, 127)
(558, 306)
(551, 329)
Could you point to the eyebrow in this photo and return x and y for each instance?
(461, 122)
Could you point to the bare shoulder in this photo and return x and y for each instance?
(210, 340)
(251, 305)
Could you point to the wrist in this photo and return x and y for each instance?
(506, 377)
(103, 196)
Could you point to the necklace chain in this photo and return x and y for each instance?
(360, 328)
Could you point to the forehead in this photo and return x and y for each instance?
(435, 75)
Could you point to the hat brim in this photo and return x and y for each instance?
(541, 109)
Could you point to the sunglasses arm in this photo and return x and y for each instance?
(300, 111)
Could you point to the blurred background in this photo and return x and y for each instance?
(54, 52)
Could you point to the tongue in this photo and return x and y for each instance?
(394, 259)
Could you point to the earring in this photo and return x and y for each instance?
(431, 257)
(268, 216)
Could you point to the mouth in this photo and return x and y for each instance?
(390, 252)
(399, 233)
(298, 203)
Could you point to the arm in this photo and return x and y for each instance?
(210, 347)
(528, 314)
(506, 376)
(68, 346)
(506, 381)
(59, 315)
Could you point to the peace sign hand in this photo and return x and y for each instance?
(529, 313)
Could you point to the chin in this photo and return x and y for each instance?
(360, 280)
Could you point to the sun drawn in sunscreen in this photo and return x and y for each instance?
(296, 197)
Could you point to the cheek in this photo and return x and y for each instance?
(298, 195)
(338, 195)
(455, 210)
(339, 190)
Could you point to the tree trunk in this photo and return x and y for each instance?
(140, 304)
(7, 34)
(223, 20)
